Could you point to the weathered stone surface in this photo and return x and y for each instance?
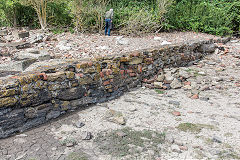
(72, 94)
(53, 114)
(176, 84)
(23, 34)
(33, 54)
(115, 117)
(8, 92)
(8, 101)
(158, 84)
(18, 45)
(17, 65)
(59, 76)
(136, 60)
(207, 48)
(160, 77)
(86, 135)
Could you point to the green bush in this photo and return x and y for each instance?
(139, 16)
(59, 14)
(14, 13)
(218, 17)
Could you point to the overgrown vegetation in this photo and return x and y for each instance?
(77, 156)
(194, 128)
(220, 17)
(127, 141)
(132, 17)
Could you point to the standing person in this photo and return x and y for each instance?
(108, 20)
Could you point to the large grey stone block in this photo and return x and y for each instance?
(33, 54)
(16, 65)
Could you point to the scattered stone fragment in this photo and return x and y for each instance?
(187, 87)
(178, 142)
(86, 135)
(219, 79)
(183, 148)
(36, 39)
(158, 85)
(195, 96)
(204, 98)
(157, 38)
(23, 34)
(160, 77)
(187, 83)
(64, 46)
(103, 47)
(21, 156)
(166, 86)
(202, 73)
(184, 74)
(177, 103)
(216, 139)
(175, 148)
(168, 77)
(119, 120)
(21, 135)
(176, 84)
(132, 109)
(204, 88)
(176, 113)
(79, 124)
(115, 117)
(211, 63)
(69, 144)
(121, 134)
(165, 43)
(169, 139)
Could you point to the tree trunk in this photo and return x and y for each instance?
(14, 18)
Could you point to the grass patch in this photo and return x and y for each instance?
(194, 128)
(77, 156)
(228, 134)
(208, 141)
(178, 119)
(68, 140)
(57, 31)
(228, 155)
(189, 70)
(133, 143)
(159, 91)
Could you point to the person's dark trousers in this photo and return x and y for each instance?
(108, 27)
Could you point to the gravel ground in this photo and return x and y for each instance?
(68, 46)
(83, 46)
(206, 127)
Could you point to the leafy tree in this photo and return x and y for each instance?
(9, 8)
(41, 8)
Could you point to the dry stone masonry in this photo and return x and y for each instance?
(33, 98)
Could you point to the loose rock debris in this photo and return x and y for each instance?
(26, 50)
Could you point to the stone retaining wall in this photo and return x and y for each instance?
(30, 99)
